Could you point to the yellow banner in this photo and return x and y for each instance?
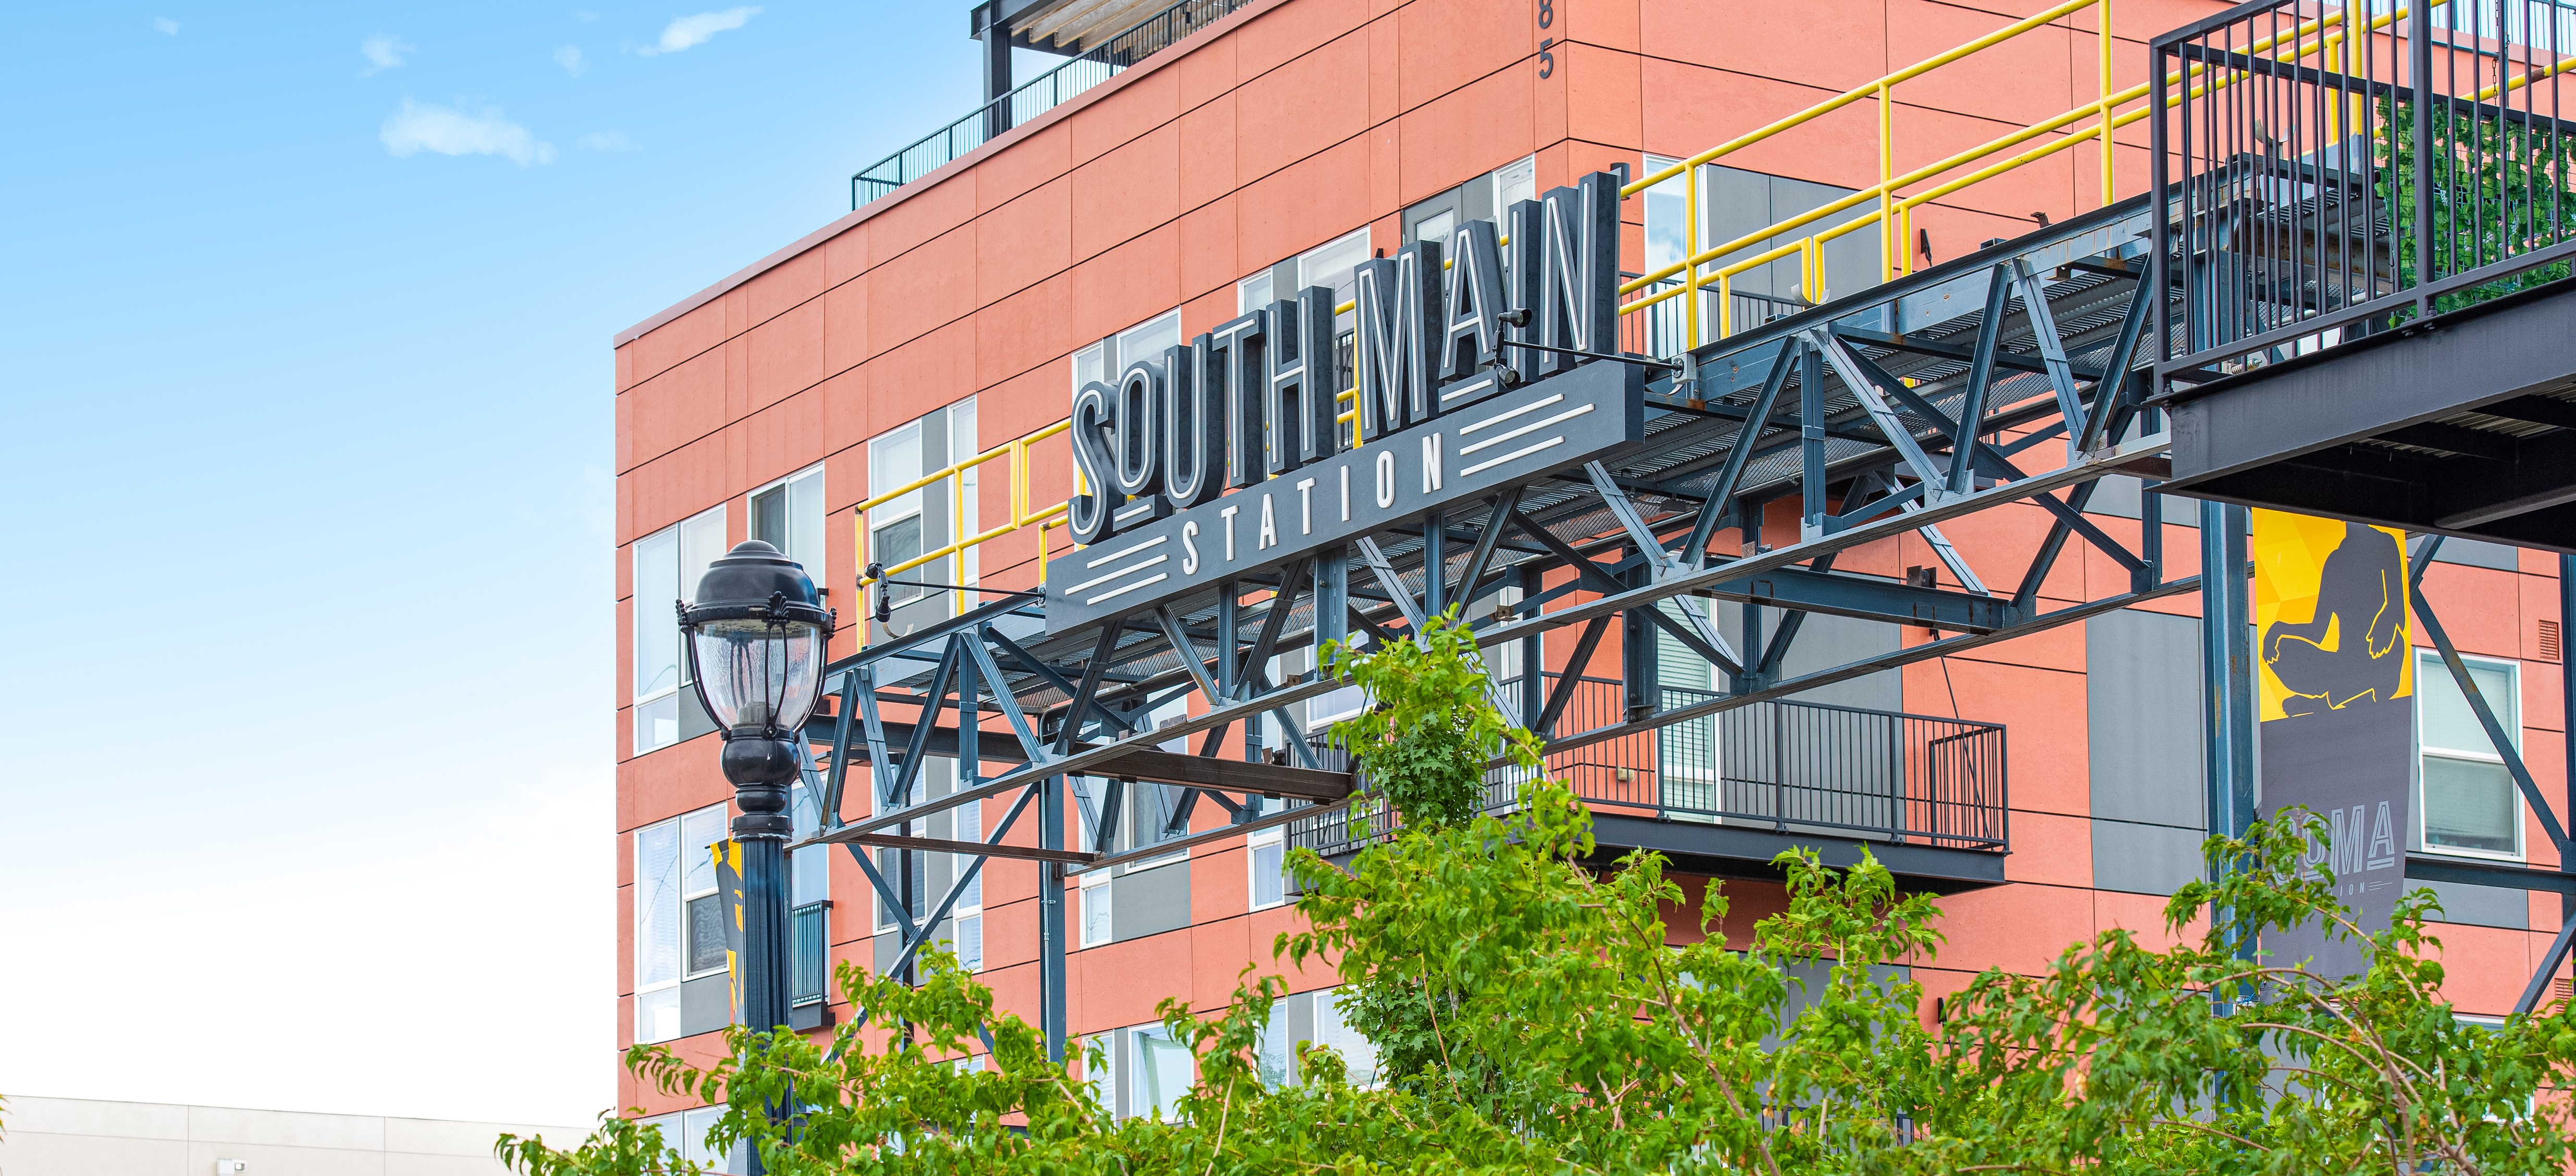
(728, 858)
(2330, 618)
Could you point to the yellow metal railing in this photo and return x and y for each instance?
(1892, 215)
(955, 476)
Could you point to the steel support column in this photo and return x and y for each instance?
(1051, 980)
(2227, 685)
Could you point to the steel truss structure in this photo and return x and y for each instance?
(1852, 411)
(1998, 379)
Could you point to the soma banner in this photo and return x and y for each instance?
(2336, 697)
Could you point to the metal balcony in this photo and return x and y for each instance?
(2370, 231)
(1726, 793)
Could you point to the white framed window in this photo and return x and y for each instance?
(937, 776)
(1342, 702)
(969, 912)
(809, 868)
(1099, 1056)
(679, 924)
(1514, 181)
(1335, 263)
(905, 528)
(1359, 1055)
(687, 1131)
(1164, 1069)
(1102, 361)
(2466, 802)
(1095, 896)
(1266, 855)
(788, 514)
(668, 564)
(1254, 292)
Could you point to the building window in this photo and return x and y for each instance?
(1101, 362)
(1482, 198)
(788, 514)
(1095, 908)
(923, 520)
(1359, 1054)
(969, 911)
(2466, 801)
(1254, 293)
(1268, 854)
(679, 926)
(687, 1131)
(668, 563)
(809, 892)
(1732, 203)
(1164, 1071)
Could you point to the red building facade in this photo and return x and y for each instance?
(1275, 148)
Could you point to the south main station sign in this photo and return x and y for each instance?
(1223, 458)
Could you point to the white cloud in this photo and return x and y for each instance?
(606, 141)
(382, 53)
(423, 126)
(165, 26)
(584, 15)
(689, 31)
(569, 57)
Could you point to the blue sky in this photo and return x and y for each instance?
(306, 322)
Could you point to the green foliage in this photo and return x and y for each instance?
(2497, 188)
(1535, 1012)
(1430, 728)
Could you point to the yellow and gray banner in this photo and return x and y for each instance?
(2336, 680)
(728, 856)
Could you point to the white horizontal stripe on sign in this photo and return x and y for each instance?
(1156, 578)
(1482, 466)
(1467, 388)
(1531, 427)
(1105, 577)
(1124, 553)
(1498, 418)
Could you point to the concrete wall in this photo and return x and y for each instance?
(91, 1137)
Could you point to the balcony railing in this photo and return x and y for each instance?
(1043, 93)
(2330, 173)
(809, 948)
(1789, 767)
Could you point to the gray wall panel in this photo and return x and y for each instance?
(2481, 906)
(2478, 554)
(1824, 642)
(2144, 859)
(1150, 902)
(2117, 497)
(705, 1005)
(2142, 710)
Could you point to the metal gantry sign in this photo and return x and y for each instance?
(1461, 388)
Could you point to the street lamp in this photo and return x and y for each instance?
(757, 637)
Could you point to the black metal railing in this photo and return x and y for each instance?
(1045, 92)
(1794, 767)
(2322, 173)
(809, 953)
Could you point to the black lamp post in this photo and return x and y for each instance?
(757, 638)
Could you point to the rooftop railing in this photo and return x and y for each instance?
(1047, 91)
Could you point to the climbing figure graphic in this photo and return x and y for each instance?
(2354, 645)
